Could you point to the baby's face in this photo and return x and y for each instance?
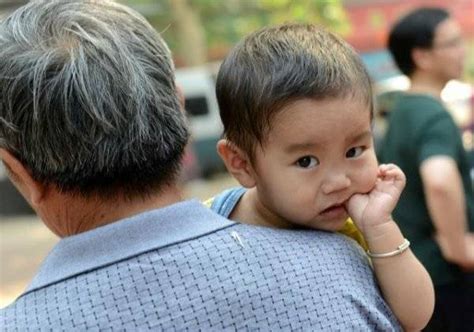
(318, 154)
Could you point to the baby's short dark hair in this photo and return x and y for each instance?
(277, 65)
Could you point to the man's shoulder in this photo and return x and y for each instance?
(232, 278)
(417, 106)
(416, 117)
(309, 253)
(418, 99)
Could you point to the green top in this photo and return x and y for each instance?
(419, 128)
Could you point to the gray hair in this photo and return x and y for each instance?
(88, 100)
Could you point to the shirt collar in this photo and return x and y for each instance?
(126, 238)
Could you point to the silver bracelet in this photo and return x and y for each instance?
(401, 248)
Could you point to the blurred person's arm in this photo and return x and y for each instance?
(446, 205)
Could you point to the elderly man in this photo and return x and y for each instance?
(92, 135)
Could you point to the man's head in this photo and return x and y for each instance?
(88, 101)
(278, 65)
(428, 40)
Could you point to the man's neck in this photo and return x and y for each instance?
(426, 84)
(69, 215)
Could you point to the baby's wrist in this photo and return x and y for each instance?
(384, 238)
(380, 230)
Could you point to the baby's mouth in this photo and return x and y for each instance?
(333, 207)
(336, 206)
(335, 210)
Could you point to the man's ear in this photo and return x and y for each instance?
(181, 97)
(237, 163)
(421, 58)
(31, 189)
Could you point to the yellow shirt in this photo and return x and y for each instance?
(350, 229)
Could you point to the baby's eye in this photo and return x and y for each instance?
(307, 162)
(354, 152)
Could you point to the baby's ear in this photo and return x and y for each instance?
(237, 163)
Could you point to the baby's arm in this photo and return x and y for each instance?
(405, 283)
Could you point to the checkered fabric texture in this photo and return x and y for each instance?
(239, 278)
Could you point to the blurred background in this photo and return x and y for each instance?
(200, 33)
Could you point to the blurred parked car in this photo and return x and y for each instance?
(198, 85)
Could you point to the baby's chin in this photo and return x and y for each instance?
(328, 225)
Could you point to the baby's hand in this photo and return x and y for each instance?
(375, 207)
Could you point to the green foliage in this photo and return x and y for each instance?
(469, 74)
(226, 21)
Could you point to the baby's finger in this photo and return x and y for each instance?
(392, 172)
(387, 167)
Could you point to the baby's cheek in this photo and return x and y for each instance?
(368, 177)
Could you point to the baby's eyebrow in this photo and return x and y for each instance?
(295, 147)
(363, 135)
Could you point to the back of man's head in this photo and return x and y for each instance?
(88, 101)
(277, 65)
(415, 30)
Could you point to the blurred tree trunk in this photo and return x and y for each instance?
(190, 33)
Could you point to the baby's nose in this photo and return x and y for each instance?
(336, 182)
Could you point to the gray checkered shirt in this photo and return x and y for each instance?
(185, 268)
